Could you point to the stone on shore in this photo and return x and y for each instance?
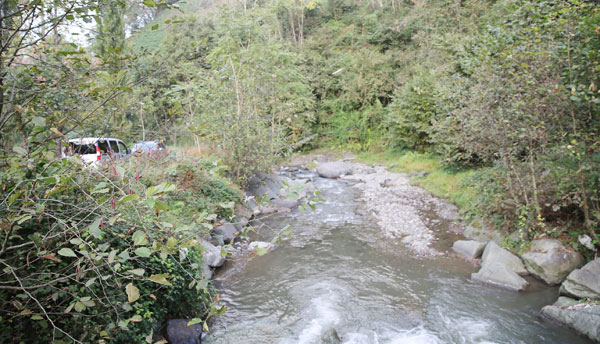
(496, 254)
(582, 317)
(584, 282)
(469, 248)
(482, 234)
(333, 169)
(212, 255)
(178, 332)
(500, 275)
(227, 230)
(551, 261)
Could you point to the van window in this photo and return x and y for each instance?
(81, 149)
(103, 146)
(122, 147)
(113, 146)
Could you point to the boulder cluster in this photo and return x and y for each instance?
(549, 260)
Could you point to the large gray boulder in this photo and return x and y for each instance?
(178, 332)
(584, 282)
(582, 317)
(496, 254)
(469, 248)
(551, 261)
(500, 275)
(227, 230)
(212, 255)
(333, 169)
(265, 186)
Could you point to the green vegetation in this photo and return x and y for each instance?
(497, 100)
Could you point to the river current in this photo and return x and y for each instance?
(338, 272)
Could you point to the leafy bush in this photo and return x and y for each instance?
(96, 255)
(412, 113)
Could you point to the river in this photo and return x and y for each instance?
(338, 272)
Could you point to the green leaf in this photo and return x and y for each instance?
(261, 251)
(161, 206)
(155, 27)
(19, 150)
(39, 121)
(139, 238)
(67, 252)
(133, 293)
(138, 272)
(132, 197)
(160, 279)
(79, 306)
(149, 3)
(171, 242)
(94, 228)
(194, 321)
(113, 219)
(143, 252)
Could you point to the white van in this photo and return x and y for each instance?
(97, 149)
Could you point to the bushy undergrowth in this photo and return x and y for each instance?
(106, 255)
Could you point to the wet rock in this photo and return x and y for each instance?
(482, 234)
(550, 260)
(178, 332)
(500, 275)
(496, 254)
(586, 241)
(212, 255)
(260, 245)
(582, 317)
(227, 230)
(242, 211)
(217, 240)
(263, 185)
(469, 248)
(285, 203)
(253, 206)
(584, 282)
(331, 337)
(333, 169)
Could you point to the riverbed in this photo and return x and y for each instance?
(340, 272)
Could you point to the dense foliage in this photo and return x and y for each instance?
(504, 92)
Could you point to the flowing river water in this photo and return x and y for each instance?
(338, 272)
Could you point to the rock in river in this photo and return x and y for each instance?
(495, 253)
(501, 268)
(333, 169)
(212, 255)
(551, 261)
(584, 282)
(178, 332)
(469, 248)
(498, 274)
(227, 230)
(582, 317)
